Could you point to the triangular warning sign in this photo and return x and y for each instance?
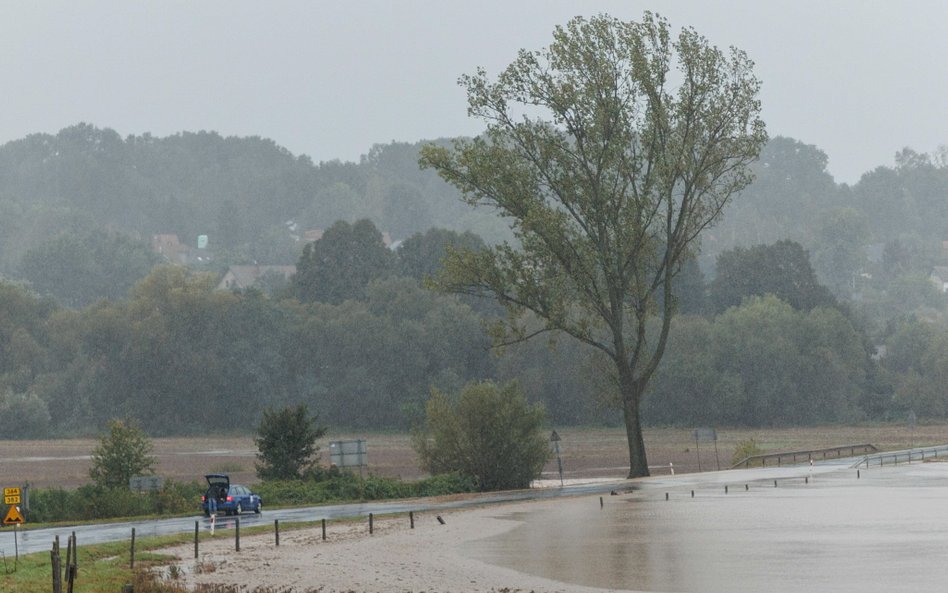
(13, 516)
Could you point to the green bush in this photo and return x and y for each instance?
(92, 501)
(342, 486)
(490, 435)
(744, 449)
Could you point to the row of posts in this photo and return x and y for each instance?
(276, 532)
(806, 480)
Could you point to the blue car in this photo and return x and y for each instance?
(232, 499)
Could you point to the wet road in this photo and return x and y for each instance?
(38, 540)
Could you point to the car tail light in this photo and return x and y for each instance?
(230, 499)
(203, 498)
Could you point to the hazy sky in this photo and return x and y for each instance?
(859, 79)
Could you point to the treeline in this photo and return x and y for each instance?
(185, 358)
(251, 197)
(90, 329)
(367, 347)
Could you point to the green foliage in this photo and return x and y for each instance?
(605, 208)
(334, 485)
(744, 449)
(286, 440)
(341, 265)
(79, 270)
(491, 436)
(761, 364)
(782, 269)
(93, 501)
(23, 416)
(123, 452)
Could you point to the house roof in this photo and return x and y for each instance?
(940, 272)
(247, 276)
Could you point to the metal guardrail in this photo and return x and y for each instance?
(905, 456)
(794, 457)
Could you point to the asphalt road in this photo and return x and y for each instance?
(38, 540)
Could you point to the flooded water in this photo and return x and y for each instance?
(887, 531)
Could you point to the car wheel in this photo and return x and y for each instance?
(239, 509)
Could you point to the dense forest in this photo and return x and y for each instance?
(810, 302)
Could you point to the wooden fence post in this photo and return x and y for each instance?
(131, 555)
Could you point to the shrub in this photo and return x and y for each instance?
(744, 449)
(122, 453)
(491, 436)
(286, 439)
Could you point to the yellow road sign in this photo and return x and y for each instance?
(11, 500)
(13, 517)
(11, 492)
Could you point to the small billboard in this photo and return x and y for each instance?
(348, 453)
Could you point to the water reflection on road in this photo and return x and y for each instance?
(887, 531)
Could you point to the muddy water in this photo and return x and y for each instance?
(887, 531)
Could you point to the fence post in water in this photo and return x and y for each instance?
(276, 531)
(131, 554)
(600, 502)
(324, 530)
(237, 535)
(411, 518)
(746, 487)
(196, 527)
(725, 489)
(692, 494)
(666, 496)
(857, 474)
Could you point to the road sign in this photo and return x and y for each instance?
(13, 517)
(11, 496)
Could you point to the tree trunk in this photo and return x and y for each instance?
(631, 396)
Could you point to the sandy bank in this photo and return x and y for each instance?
(395, 559)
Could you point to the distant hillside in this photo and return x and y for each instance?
(251, 197)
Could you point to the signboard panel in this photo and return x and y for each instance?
(12, 496)
(145, 483)
(348, 453)
(705, 435)
(13, 517)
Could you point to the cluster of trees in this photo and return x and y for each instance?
(770, 346)
(251, 197)
(190, 358)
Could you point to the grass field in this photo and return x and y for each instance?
(585, 452)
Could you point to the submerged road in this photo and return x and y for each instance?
(38, 540)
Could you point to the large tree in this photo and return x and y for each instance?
(341, 264)
(610, 151)
(782, 269)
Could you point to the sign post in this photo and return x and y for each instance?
(13, 516)
(555, 439)
(350, 454)
(706, 435)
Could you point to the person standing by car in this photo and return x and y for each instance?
(212, 509)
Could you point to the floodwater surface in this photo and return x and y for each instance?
(886, 531)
